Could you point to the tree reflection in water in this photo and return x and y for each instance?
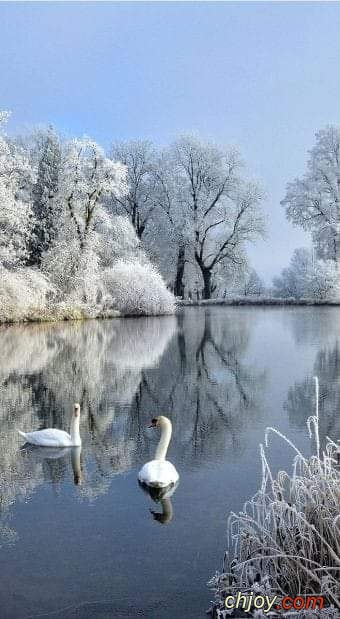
(204, 386)
(122, 372)
(300, 402)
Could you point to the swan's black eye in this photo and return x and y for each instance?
(154, 421)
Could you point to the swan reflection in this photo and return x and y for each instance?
(46, 457)
(161, 496)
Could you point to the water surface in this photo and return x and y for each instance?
(94, 549)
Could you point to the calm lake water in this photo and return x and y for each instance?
(94, 549)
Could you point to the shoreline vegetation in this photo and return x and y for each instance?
(63, 311)
(258, 301)
(285, 541)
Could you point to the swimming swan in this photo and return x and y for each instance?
(159, 473)
(56, 438)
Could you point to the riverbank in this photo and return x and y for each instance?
(63, 313)
(257, 301)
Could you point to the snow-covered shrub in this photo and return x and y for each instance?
(137, 289)
(74, 273)
(25, 294)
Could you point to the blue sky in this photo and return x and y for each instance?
(264, 76)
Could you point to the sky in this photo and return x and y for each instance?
(260, 75)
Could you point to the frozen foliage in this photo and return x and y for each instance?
(221, 210)
(45, 209)
(286, 539)
(15, 202)
(307, 278)
(138, 289)
(24, 295)
(138, 202)
(192, 208)
(61, 247)
(313, 201)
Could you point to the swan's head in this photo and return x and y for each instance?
(76, 410)
(160, 422)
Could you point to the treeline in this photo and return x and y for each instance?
(195, 213)
(83, 232)
(64, 251)
(87, 227)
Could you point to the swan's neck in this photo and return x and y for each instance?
(167, 510)
(164, 441)
(75, 459)
(74, 431)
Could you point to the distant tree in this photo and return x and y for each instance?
(294, 280)
(45, 208)
(308, 278)
(137, 203)
(253, 285)
(220, 209)
(313, 202)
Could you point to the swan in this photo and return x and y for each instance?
(56, 438)
(159, 473)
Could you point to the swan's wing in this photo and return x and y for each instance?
(158, 473)
(48, 438)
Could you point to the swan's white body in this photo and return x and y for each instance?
(159, 473)
(52, 437)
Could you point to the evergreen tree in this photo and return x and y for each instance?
(45, 208)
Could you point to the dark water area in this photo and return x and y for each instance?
(221, 374)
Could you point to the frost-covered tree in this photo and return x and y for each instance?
(137, 203)
(253, 284)
(313, 201)
(45, 207)
(324, 280)
(307, 277)
(221, 210)
(294, 280)
(87, 177)
(169, 230)
(15, 204)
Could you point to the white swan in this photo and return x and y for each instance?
(159, 473)
(56, 438)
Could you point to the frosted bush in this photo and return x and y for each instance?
(285, 541)
(25, 294)
(138, 289)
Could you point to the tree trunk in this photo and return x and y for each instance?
(179, 285)
(207, 283)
